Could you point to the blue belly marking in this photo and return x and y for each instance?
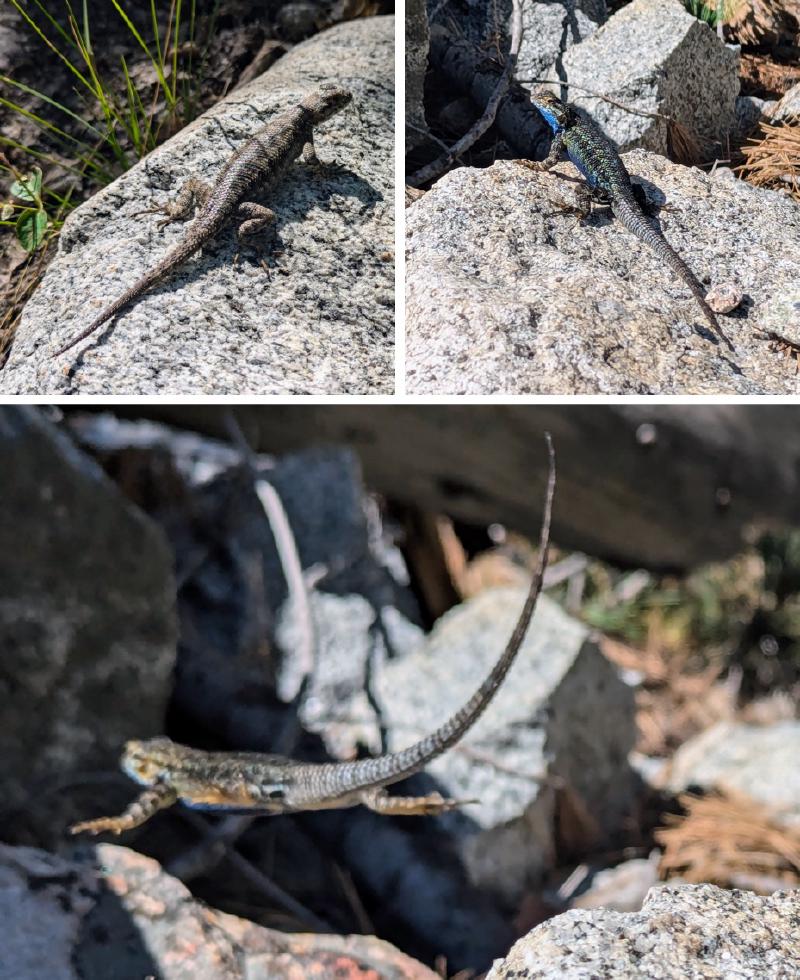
(591, 179)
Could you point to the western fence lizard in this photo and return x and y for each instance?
(274, 784)
(253, 168)
(597, 159)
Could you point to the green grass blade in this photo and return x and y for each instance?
(57, 105)
(156, 38)
(157, 66)
(35, 27)
(101, 175)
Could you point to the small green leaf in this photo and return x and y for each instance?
(31, 227)
(30, 187)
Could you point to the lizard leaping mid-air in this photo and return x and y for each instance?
(255, 167)
(597, 159)
(274, 784)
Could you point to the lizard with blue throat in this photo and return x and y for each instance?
(597, 159)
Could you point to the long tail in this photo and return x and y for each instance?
(367, 773)
(175, 257)
(628, 213)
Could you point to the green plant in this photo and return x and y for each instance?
(120, 119)
(711, 12)
(33, 211)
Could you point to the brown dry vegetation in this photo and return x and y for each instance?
(731, 841)
(773, 159)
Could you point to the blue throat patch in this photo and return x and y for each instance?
(550, 118)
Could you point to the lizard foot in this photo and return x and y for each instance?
(115, 825)
(410, 806)
(535, 165)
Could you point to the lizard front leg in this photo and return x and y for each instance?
(408, 806)
(159, 797)
(552, 158)
(193, 192)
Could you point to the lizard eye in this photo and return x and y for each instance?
(276, 794)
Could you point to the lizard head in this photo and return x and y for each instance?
(147, 761)
(327, 100)
(556, 113)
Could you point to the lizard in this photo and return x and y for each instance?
(597, 159)
(269, 784)
(254, 167)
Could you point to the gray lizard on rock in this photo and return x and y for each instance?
(255, 167)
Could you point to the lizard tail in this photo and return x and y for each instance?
(629, 215)
(171, 260)
(368, 773)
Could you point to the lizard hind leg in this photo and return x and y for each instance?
(143, 807)
(254, 218)
(379, 801)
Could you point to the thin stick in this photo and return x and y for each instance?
(264, 884)
(435, 169)
(286, 546)
(217, 843)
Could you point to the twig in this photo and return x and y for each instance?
(354, 900)
(286, 546)
(433, 170)
(203, 857)
(429, 135)
(207, 854)
(592, 93)
(260, 881)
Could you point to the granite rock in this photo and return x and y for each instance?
(561, 718)
(658, 58)
(683, 932)
(758, 761)
(321, 321)
(506, 292)
(110, 912)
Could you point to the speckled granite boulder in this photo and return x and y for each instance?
(508, 293)
(656, 57)
(683, 932)
(115, 913)
(320, 321)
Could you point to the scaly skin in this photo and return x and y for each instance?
(273, 784)
(255, 167)
(597, 159)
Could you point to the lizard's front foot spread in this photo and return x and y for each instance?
(535, 165)
(99, 826)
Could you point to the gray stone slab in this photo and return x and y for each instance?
(87, 624)
(683, 932)
(656, 57)
(320, 322)
(508, 293)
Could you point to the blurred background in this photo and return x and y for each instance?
(332, 581)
